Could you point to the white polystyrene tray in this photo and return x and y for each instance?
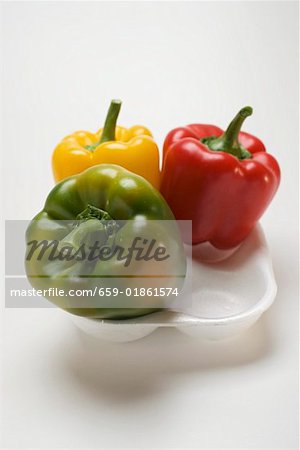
(228, 297)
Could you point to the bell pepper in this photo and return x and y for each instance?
(112, 206)
(133, 148)
(222, 181)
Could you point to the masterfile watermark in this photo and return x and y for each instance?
(139, 250)
(76, 264)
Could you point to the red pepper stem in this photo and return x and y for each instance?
(231, 135)
(228, 142)
(109, 129)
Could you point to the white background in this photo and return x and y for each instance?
(171, 64)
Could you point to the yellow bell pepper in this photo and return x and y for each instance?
(132, 148)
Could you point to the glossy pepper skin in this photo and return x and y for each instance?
(132, 148)
(222, 181)
(97, 198)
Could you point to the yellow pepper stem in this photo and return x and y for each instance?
(109, 129)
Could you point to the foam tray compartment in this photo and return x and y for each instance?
(228, 296)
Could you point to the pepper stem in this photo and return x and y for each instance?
(95, 220)
(229, 141)
(91, 212)
(231, 135)
(109, 129)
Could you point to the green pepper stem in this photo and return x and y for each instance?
(109, 129)
(231, 135)
(97, 220)
(91, 212)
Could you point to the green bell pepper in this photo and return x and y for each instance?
(114, 207)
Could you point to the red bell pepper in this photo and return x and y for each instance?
(222, 181)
